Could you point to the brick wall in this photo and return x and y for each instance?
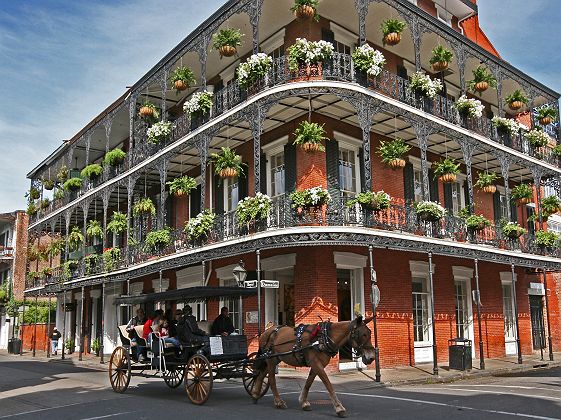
(20, 254)
(43, 331)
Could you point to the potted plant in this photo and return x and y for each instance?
(391, 31)
(476, 223)
(429, 211)
(538, 137)
(482, 80)
(522, 194)
(226, 41)
(513, 230)
(62, 174)
(306, 9)
(446, 170)
(90, 262)
(182, 185)
(227, 164)
(199, 227)
(306, 58)
(32, 209)
(47, 272)
(200, 103)
(75, 238)
(48, 184)
(118, 223)
(550, 205)
(369, 200)
(144, 206)
(33, 194)
(311, 197)
(252, 209)
(254, 69)
(91, 171)
(159, 132)
(73, 184)
(516, 100)
(55, 248)
(441, 58)
(422, 85)
(556, 151)
(94, 230)
(506, 126)
(69, 345)
(486, 182)
(469, 107)
(111, 258)
(114, 157)
(309, 136)
(96, 346)
(44, 203)
(148, 111)
(368, 60)
(392, 152)
(59, 194)
(182, 78)
(157, 240)
(546, 115)
(546, 239)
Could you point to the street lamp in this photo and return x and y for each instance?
(240, 273)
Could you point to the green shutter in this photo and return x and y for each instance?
(531, 225)
(263, 173)
(243, 187)
(408, 183)
(290, 167)
(363, 185)
(195, 205)
(513, 211)
(433, 187)
(466, 194)
(332, 163)
(497, 205)
(447, 197)
(328, 35)
(218, 195)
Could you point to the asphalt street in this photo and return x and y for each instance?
(32, 389)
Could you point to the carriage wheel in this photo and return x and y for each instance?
(250, 375)
(173, 378)
(198, 379)
(120, 369)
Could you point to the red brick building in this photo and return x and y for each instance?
(324, 256)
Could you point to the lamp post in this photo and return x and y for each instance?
(240, 274)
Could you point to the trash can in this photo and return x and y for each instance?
(459, 354)
(14, 345)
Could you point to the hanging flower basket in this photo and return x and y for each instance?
(440, 66)
(396, 164)
(180, 85)
(145, 111)
(545, 120)
(516, 100)
(305, 12)
(523, 201)
(227, 164)
(228, 173)
(446, 170)
(546, 115)
(489, 189)
(393, 38)
(448, 178)
(226, 41)
(311, 147)
(227, 51)
(481, 86)
(516, 105)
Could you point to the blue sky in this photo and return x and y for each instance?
(62, 62)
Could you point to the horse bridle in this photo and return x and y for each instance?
(354, 339)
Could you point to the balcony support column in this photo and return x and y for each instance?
(434, 348)
(162, 169)
(549, 343)
(47, 329)
(362, 11)
(257, 117)
(505, 164)
(255, 10)
(423, 132)
(132, 113)
(85, 205)
(499, 76)
(63, 323)
(202, 148)
(105, 198)
(515, 302)
(537, 172)
(102, 332)
(130, 192)
(107, 124)
(461, 59)
(478, 303)
(203, 54)
(468, 148)
(88, 146)
(81, 326)
(164, 87)
(365, 112)
(67, 216)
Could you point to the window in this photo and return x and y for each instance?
(508, 311)
(553, 225)
(457, 197)
(341, 48)
(421, 324)
(418, 184)
(503, 206)
(231, 187)
(347, 171)
(276, 174)
(549, 190)
(443, 15)
(233, 304)
(462, 314)
(277, 52)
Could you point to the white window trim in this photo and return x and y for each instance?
(272, 149)
(229, 72)
(197, 183)
(278, 262)
(190, 277)
(465, 274)
(349, 260)
(343, 35)
(416, 162)
(274, 41)
(226, 272)
(353, 144)
(447, 15)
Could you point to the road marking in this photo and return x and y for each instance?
(545, 397)
(59, 406)
(512, 386)
(108, 415)
(462, 407)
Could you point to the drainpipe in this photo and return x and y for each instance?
(514, 300)
(434, 348)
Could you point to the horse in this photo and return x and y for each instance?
(310, 345)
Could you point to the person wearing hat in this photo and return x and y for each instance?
(55, 336)
(188, 330)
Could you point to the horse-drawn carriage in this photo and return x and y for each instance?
(197, 364)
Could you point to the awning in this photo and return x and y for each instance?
(189, 294)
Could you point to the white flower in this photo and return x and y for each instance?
(367, 55)
(195, 102)
(508, 124)
(159, 131)
(472, 107)
(254, 68)
(422, 83)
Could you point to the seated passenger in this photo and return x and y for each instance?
(188, 331)
(222, 325)
(165, 334)
(152, 322)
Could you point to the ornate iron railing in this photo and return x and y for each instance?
(400, 217)
(340, 68)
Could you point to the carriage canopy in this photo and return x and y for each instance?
(188, 295)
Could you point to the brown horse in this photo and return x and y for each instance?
(313, 346)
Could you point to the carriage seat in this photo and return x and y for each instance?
(205, 326)
(126, 340)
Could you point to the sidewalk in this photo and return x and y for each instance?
(403, 375)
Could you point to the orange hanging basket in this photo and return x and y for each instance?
(396, 164)
(440, 66)
(180, 85)
(227, 51)
(481, 86)
(393, 38)
(305, 12)
(448, 178)
(228, 173)
(490, 189)
(311, 147)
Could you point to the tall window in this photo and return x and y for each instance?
(233, 304)
(457, 197)
(277, 174)
(347, 171)
(232, 189)
(418, 184)
(278, 52)
(508, 311)
(341, 48)
(504, 206)
(420, 310)
(462, 315)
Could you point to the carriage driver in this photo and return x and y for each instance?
(188, 330)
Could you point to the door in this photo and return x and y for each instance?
(422, 321)
(536, 315)
(344, 305)
(509, 320)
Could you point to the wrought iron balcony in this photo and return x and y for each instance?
(399, 218)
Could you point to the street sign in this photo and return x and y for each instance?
(270, 284)
(250, 284)
(375, 296)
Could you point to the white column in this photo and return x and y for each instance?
(95, 295)
(110, 319)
